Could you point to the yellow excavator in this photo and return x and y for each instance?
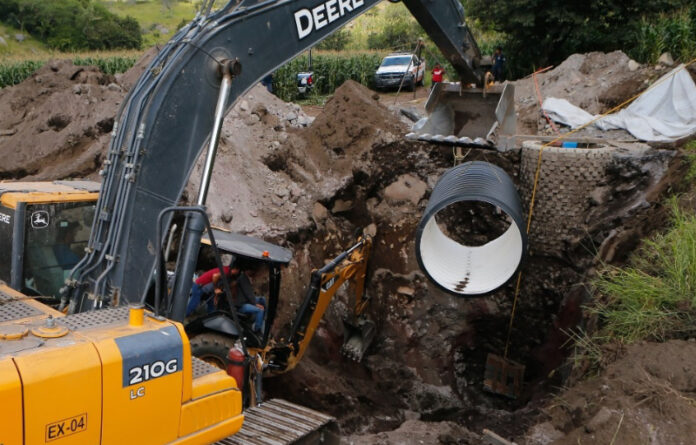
(53, 217)
(113, 363)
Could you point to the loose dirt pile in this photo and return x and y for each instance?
(646, 396)
(418, 432)
(56, 124)
(595, 82)
(270, 174)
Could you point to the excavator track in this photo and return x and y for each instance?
(278, 422)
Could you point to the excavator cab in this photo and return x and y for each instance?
(44, 230)
(250, 253)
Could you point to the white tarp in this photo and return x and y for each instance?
(665, 112)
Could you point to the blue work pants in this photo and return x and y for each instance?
(256, 311)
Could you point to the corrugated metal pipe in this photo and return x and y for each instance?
(471, 270)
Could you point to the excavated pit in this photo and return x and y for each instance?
(309, 184)
(428, 360)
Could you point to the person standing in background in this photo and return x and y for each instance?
(499, 65)
(438, 74)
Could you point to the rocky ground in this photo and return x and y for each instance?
(308, 179)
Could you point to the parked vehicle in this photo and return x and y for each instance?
(305, 82)
(398, 66)
(305, 79)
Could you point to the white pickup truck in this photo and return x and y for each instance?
(398, 65)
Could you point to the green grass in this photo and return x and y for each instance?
(654, 298)
(151, 13)
(30, 47)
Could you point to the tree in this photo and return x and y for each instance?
(69, 25)
(336, 41)
(545, 32)
(400, 31)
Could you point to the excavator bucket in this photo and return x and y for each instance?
(469, 117)
(357, 337)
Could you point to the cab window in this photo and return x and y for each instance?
(56, 236)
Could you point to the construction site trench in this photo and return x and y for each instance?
(310, 183)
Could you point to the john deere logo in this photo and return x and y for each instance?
(39, 219)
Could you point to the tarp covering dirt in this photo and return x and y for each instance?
(665, 112)
(595, 82)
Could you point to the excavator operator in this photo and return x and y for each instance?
(206, 284)
(247, 301)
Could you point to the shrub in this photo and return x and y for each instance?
(69, 25)
(674, 33)
(399, 31)
(336, 41)
(539, 33)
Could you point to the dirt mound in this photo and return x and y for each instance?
(128, 79)
(272, 168)
(595, 82)
(353, 117)
(646, 396)
(56, 124)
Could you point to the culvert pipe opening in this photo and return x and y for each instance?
(471, 238)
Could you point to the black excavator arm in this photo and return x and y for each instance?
(446, 26)
(170, 112)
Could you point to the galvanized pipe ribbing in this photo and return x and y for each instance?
(471, 270)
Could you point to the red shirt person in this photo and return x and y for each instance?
(207, 277)
(211, 276)
(438, 74)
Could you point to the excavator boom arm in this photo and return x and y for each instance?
(446, 26)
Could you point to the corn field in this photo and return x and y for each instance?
(330, 71)
(674, 33)
(107, 65)
(14, 72)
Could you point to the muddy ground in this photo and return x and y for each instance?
(308, 179)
